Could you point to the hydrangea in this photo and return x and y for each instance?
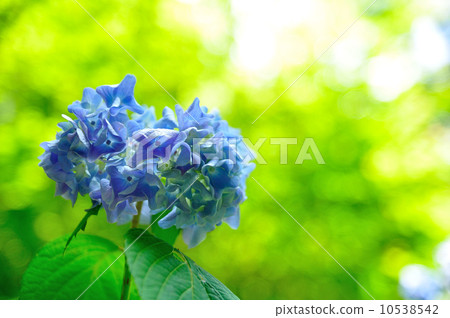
(424, 283)
(442, 258)
(190, 163)
(420, 283)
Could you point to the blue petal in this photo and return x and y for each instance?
(146, 216)
(107, 93)
(91, 97)
(147, 119)
(233, 221)
(119, 97)
(193, 235)
(126, 86)
(169, 220)
(125, 212)
(168, 120)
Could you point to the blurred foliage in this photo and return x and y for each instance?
(380, 202)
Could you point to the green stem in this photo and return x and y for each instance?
(135, 221)
(125, 294)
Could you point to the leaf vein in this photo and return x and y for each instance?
(167, 278)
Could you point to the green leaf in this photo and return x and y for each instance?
(82, 225)
(168, 235)
(54, 275)
(214, 287)
(162, 272)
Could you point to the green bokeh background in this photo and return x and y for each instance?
(380, 202)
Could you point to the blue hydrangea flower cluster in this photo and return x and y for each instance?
(190, 163)
(420, 282)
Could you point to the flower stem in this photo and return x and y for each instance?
(125, 294)
(135, 220)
